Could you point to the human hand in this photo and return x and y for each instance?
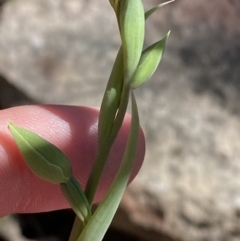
(73, 130)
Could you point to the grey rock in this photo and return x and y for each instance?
(58, 51)
(188, 188)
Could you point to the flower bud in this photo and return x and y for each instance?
(149, 62)
(132, 29)
(43, 158)
(77, 199)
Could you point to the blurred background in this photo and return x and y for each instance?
(58, 51)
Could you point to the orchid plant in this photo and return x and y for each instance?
(133, 66)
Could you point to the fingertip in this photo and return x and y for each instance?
(72, 129)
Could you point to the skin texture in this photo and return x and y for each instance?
(73, 130)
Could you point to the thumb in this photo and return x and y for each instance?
(73, 130)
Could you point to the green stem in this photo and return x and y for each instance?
(104, 148)
(76, 229)
(96, 173)
(121, 112)
(77, 199)
(102, 217)
(111, 99)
